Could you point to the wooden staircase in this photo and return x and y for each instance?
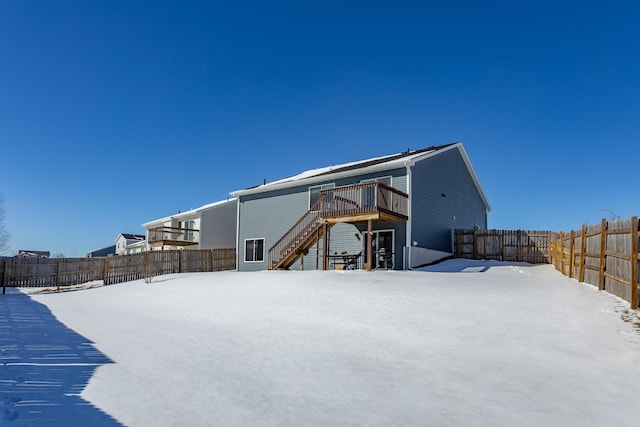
(297, 240)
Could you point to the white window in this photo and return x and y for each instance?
(314, 192)
(191, 225)
(254, 250)
(368, 194)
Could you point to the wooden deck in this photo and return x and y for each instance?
(365, 203)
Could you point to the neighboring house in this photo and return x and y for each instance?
(136, 247)
(33, 254)
(211, 226)
(396, 211)
(102, 252)
(126, 239)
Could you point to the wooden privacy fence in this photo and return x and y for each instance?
(504, 245)
(65, 272)
(604, 255)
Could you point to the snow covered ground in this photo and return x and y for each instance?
(465, 343)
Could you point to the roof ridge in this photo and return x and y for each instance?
(384, 159)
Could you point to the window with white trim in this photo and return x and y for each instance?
(254, 250)
(314, 192)
(368, 194)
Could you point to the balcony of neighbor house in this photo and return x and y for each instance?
(360, 203)
(173, 236)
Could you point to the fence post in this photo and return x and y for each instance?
(484, 244)
(519, 248)
(475, 244)
(603, 250)
(556, 261)
(583, 249)
(147, 267)
(5, 277)
(58, 276)
(633, 300)
(179, 261)
(572, 253)
(105, 274)
(561, 251)
(556, 256)
(456, 243)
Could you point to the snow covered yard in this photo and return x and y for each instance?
(467, 343)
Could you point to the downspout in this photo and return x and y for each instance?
(238, 235)
(409, 240)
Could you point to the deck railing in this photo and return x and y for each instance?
(177, 235)
(362, 199)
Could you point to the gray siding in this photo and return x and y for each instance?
(218, 227)
(434, 216)
(269, 215)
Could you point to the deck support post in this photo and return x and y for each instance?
(369, 248)
(317, 249)
(325, 248)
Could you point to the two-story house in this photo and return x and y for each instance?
(397, 211)
(212, 226)
(125, 240)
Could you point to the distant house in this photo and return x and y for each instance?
(33, 254)
(125, 240)
(212, 226)
(136, 247)
(397, 211)
(102, 252)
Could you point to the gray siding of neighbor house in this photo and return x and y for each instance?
(270, 214)
(218, 227)
(434, 216)
(109, 250)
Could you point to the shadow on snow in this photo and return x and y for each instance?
(463, 265)
(44, 366)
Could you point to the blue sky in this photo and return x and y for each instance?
(115, 113)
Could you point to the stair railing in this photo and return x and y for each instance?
(290, 240)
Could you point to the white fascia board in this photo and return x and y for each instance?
(156, 222)
(215, 205)
(467, 162)
(190, 214)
